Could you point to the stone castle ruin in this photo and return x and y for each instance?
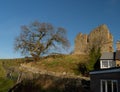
(100, 34)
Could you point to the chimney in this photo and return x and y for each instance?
(118, 45)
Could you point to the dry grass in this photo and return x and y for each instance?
(54, 63)
(60, 63)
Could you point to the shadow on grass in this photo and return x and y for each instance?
(81, 69)
(48, 83)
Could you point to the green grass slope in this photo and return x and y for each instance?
(5, 66)
(5, 84)
(61, 63)
(2, 70)
(55, 63)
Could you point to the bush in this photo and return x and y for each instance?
(81, 69)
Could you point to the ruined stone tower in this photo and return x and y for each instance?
(99, 35)
(118, 45)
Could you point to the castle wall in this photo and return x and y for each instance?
(100, 36)
(80, 44)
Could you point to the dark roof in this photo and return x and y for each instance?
(107, 70)
(112, 68)
(117, 56)
(107, 55)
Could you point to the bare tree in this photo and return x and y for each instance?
(38, 38)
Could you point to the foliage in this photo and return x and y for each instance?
(38, 39)
(81, 69)
(94, 58)
(95, 51)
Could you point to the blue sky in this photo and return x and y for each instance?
(74, 15)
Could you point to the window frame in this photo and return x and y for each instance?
(110, 63)
(106, 85)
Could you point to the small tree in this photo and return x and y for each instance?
(95, 52)
(38, 38)
(94, 58)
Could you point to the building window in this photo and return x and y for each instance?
(103, 86)
(107, 63)
(109, 86)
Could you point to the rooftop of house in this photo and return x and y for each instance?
(117, 56)
(108, 55)
(106, 70)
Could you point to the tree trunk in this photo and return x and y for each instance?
(35, 57)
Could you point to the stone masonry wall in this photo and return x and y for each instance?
(100, 34)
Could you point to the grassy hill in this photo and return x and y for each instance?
(61, 63)
(5, 66)
(56, 63)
